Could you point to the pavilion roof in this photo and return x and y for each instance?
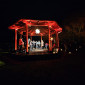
(43, 25)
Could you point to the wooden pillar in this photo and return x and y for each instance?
(26, 38)
(49, 40)
(41, 41)
(57, 40)
(15, 39)
(51, 43)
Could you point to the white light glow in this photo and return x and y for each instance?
(61, 49)
(53, 52)
(37, 31)
(69, 52)
(51, 38)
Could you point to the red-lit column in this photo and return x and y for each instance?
(51, 43)
(41, 40)
(15, 39)
(26, 38)
(57, 40)
(58, 43)
(49, 40)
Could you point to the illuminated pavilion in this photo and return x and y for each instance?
(43, 27)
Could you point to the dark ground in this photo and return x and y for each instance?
(65, 69)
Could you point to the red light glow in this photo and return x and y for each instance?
(30, 27)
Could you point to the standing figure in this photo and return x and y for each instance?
(30, 45)
(42, 43)
(33, 43)
(22, 44)
(36, 44)
(46, 45)
(39, 44)
(29, 41)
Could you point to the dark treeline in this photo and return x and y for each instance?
(73, 35)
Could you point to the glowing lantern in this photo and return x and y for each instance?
(51, 38)
(37, 31)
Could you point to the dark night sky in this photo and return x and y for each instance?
(12, 11)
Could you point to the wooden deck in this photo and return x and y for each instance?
(34, 52)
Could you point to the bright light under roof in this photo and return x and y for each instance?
(37, 31)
